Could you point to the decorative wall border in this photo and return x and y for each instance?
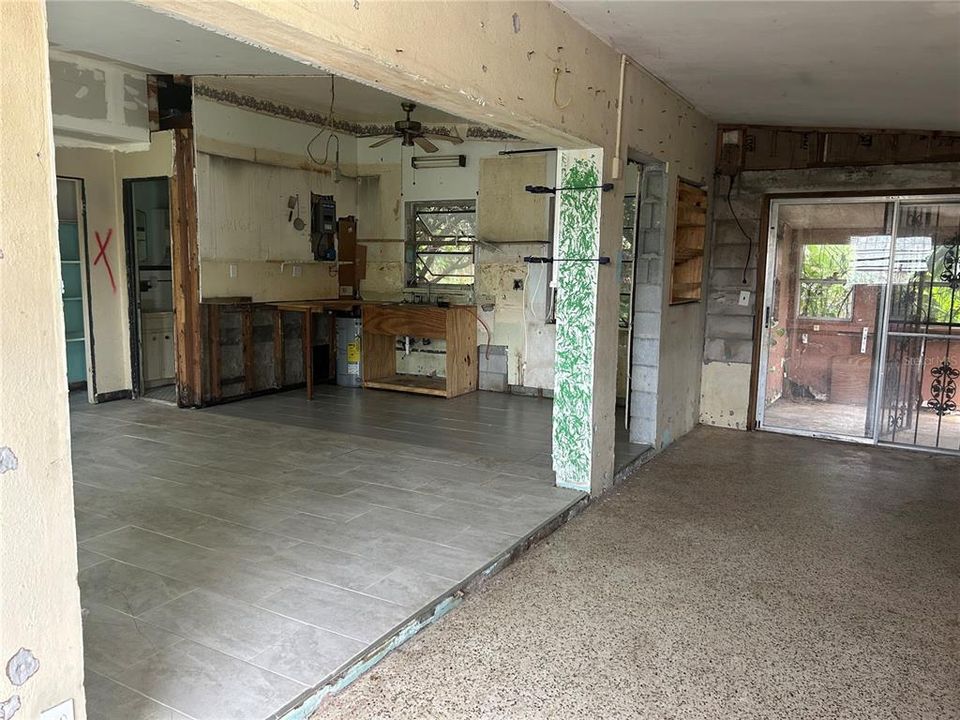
(309, 117)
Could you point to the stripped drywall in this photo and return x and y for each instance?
(577, 252)
(40, 635)
(248, 166)
(98, 104)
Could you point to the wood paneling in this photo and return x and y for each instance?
(686, 280)
(414, 320)
(382, 324)
(186, 273)
(796, 148)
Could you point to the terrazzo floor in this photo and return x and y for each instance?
(235, 558)
(736, 575)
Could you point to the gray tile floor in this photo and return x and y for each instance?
(234, 558)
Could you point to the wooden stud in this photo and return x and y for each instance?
(213, 339)
(249, 379)
(278, 357)
(308, 351)
(185, 265)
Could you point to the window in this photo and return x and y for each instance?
(826, 292)
(626, 257)
(441, 243)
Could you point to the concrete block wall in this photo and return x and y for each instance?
(647, 306)
(729, 338)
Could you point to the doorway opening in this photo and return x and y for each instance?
(861, 328)
(150, 287)
(74, 265)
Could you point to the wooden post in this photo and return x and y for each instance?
(278, 357)
(308, 351)
(186, 272)
(246, 315)
(213, 338)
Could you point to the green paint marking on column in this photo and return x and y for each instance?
(578, 236)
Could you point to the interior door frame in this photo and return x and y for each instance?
(765, 271)
(86, 290)
(133, 280)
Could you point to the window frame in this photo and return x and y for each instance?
(413, 210)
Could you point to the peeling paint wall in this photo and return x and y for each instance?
(729, 341)
(96, 103)
(504, 213)
(40, 636)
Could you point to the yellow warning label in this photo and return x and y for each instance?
(353, 351)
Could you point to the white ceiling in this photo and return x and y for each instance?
(136, 36)
(893, 65)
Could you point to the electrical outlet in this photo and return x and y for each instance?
(63, 711)
(744, 298)
(232, 270)
(804, 338)
(297, 270)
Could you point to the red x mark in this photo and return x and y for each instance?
(102, 244)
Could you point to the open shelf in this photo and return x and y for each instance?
(690, 230)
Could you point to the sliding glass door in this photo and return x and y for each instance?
(861, 315)
(919, 406)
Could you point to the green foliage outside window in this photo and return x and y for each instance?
(824, 290)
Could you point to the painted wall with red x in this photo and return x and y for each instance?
(103, 172)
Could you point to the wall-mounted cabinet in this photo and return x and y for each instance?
(686, 281)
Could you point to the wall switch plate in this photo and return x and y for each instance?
(232, 270)
(297, 270)
(744, 298)
(63, 711)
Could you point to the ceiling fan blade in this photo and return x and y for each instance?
(425, 144)
(455, 139)
(384, 141)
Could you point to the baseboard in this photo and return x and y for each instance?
(113, 395)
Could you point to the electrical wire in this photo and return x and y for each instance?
(485, 328)
(746, 263)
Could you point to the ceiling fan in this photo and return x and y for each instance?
(411, 133)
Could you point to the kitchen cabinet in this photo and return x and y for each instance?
(157, 353)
